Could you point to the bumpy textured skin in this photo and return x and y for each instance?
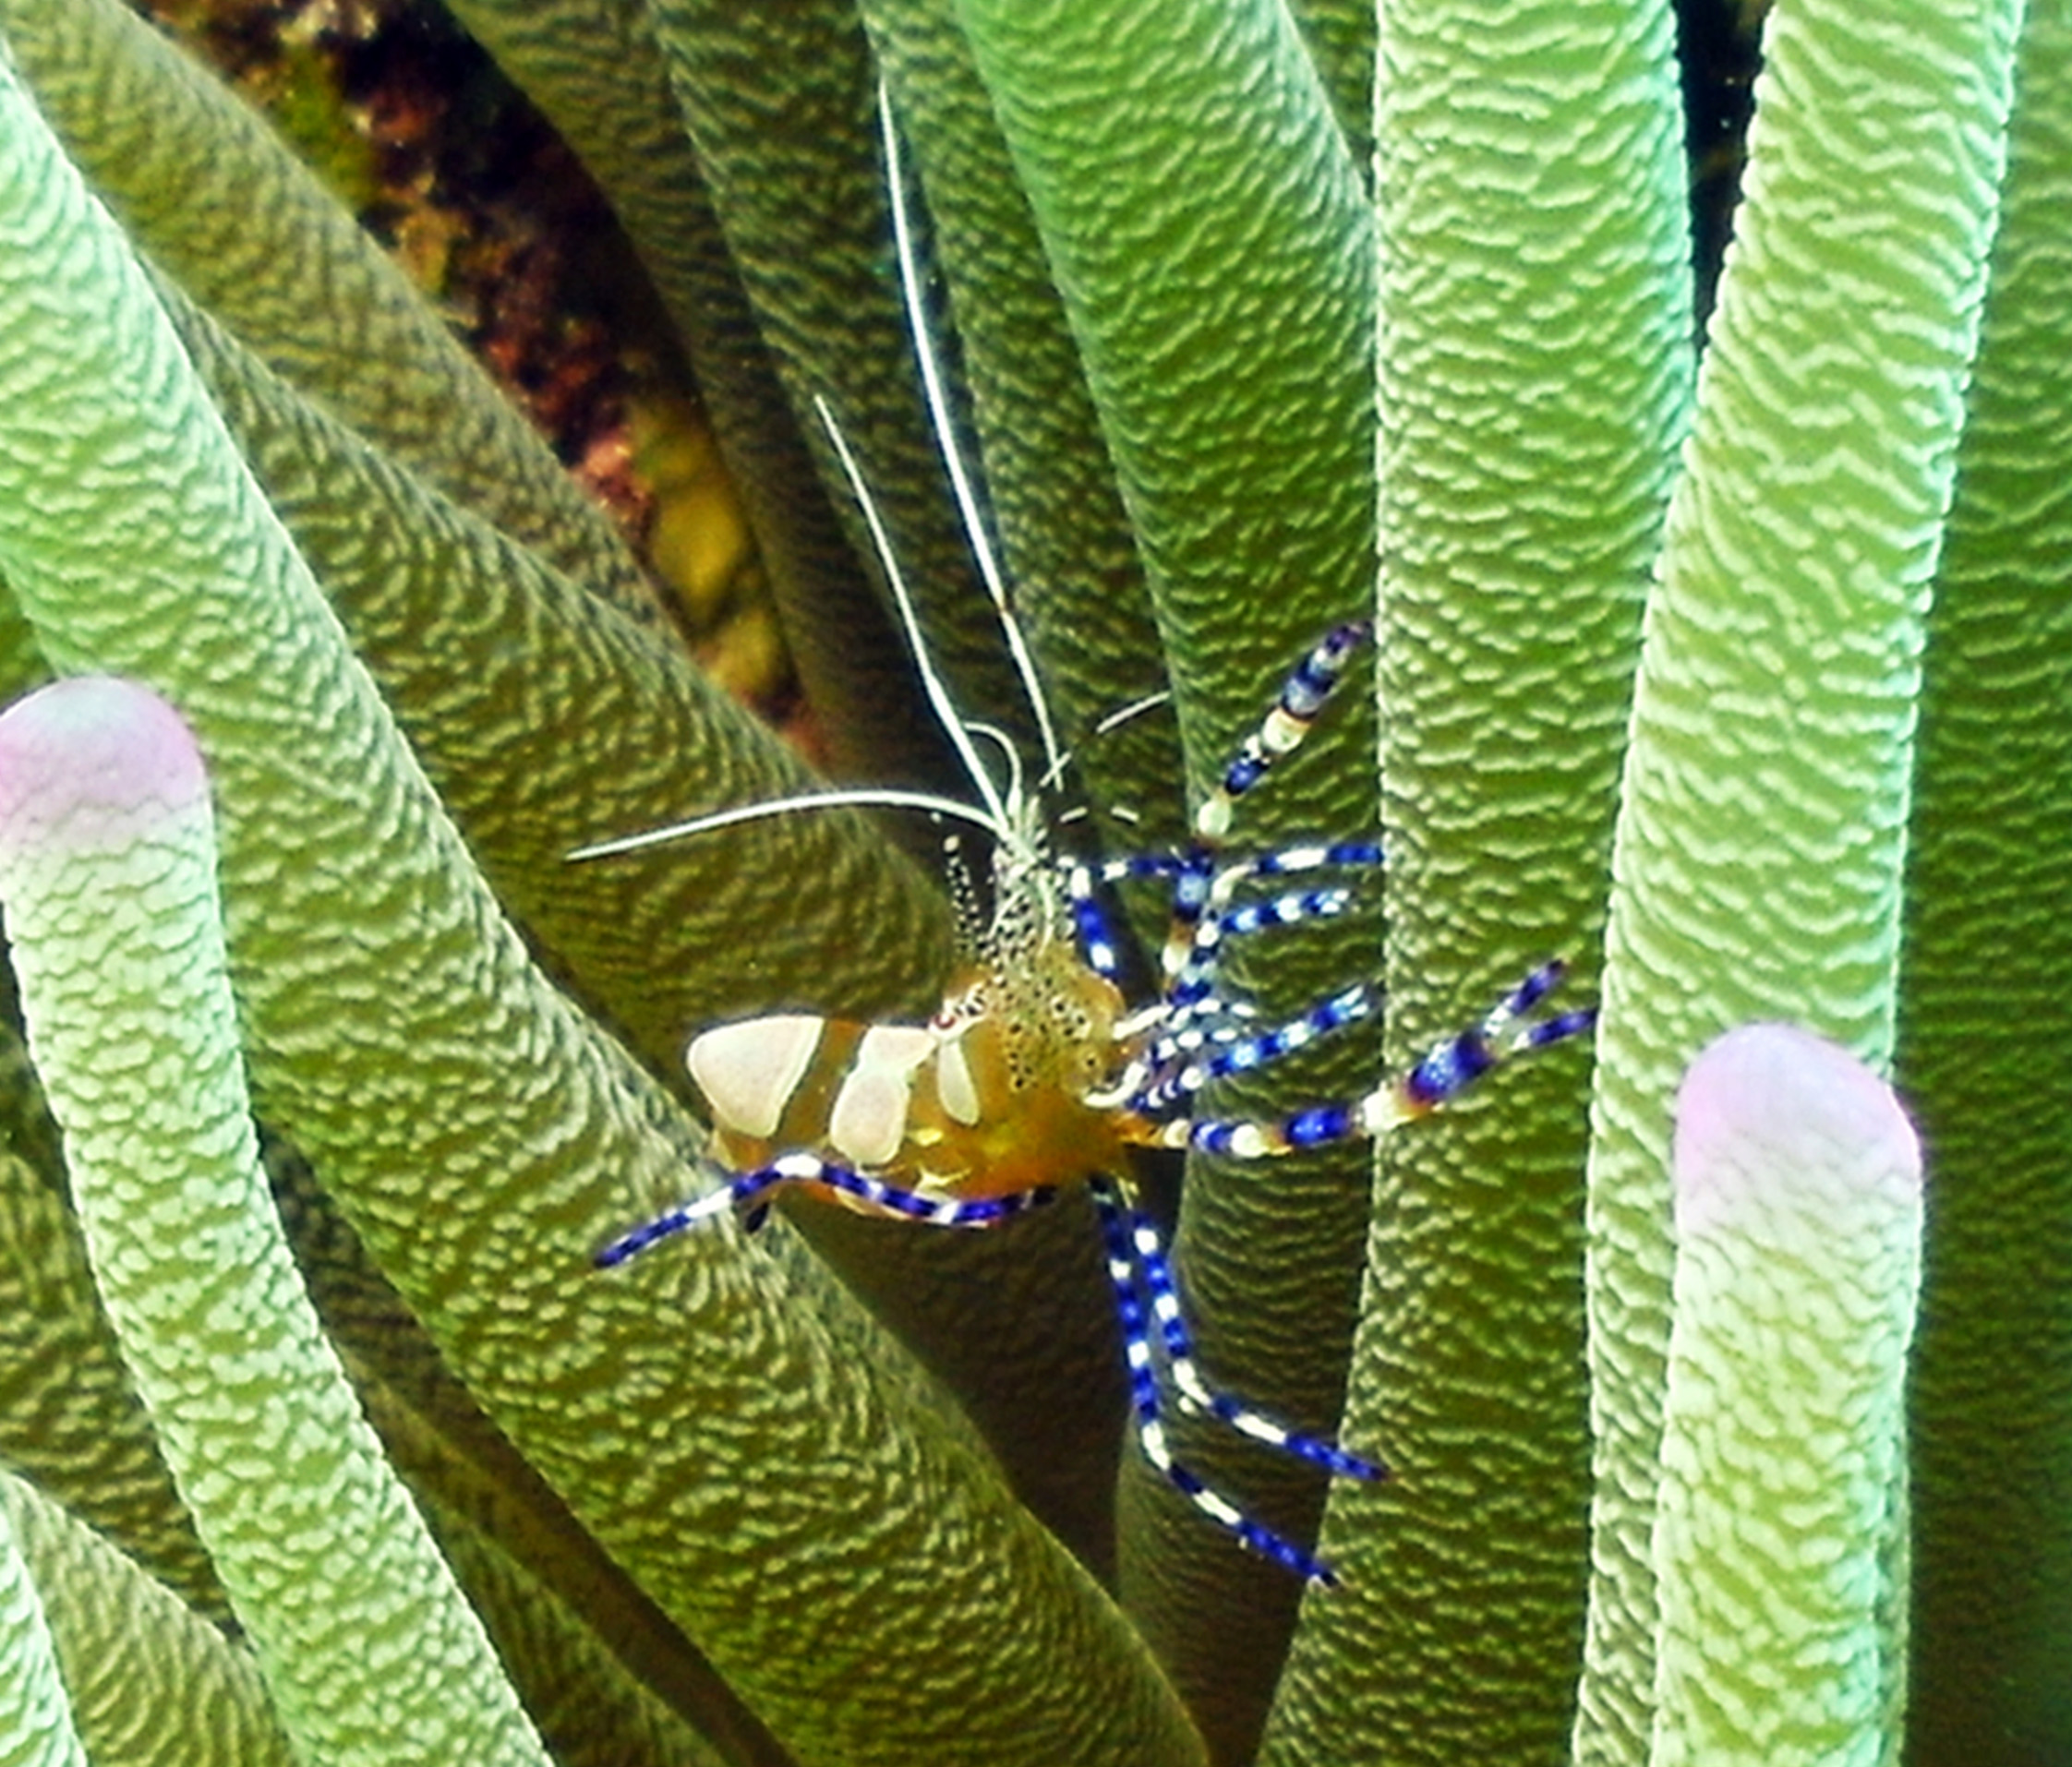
(151, 1683)
(1208, 239)
(1069, 555)
(595, 68)
(1756, 871)
(69, 1417)
(1340, 37)
(1988, 951)
(570, 1630)
(1079, 593)
(107, 868)
(779, 102)
(733, 1432)
(551, 721)
(1015, 1323)
(522, 695)
(1798, 1205)
(250, 232)
(590, 1711)
(545, 720)
(36, 1728)
(1534, 381)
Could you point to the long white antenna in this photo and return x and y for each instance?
(946, 436)
(938, 692)
(866, 796)
(999, 817)
(995, 818)
(1122, 714)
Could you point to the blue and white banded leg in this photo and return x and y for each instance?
(1182, 1065)
(1194, 875)
(1203, 1038)
(1301, 700)
(750, 1193)
(1193, 975)
(1117, 1226)
(1507, 1030)
(1197, 881)
(1194, 1390)
(1208, 919)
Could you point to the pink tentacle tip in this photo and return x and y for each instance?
(1767, 1100)
(93, 761)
